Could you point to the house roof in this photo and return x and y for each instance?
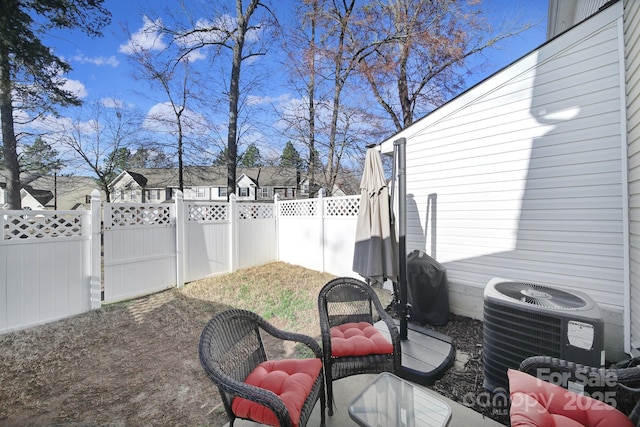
(71, 190)
(42, 196)
(196, 176)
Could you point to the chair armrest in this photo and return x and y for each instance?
(292, 336)
(612, 377)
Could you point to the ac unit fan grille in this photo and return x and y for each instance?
(541, 296)
(510, 335)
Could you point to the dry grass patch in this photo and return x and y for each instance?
(284, 294)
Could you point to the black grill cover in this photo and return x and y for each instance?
(427, 290)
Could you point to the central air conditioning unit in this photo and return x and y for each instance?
(524, 319)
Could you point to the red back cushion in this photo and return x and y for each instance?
(290, 379)
(537, 403)
(358, 339)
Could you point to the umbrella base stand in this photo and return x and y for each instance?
(426, 354)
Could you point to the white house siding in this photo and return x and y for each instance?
(521, 176)
(632, 63)
(565, 14)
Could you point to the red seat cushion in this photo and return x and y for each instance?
(290, 379)
(537, 403)
(358, 339)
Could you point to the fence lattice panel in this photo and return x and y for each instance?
(138, 215)
(342, 207)
(40, 225)
(299, 208)
(207, 212)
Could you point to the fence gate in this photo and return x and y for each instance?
(139, 249)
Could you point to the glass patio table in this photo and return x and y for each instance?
(392, 401)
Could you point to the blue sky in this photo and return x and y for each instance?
(102, 72)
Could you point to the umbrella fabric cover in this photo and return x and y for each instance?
(375, 251)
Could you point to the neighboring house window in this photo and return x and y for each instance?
(305, 189)
(200, 192)
(222, 191)
(122, 194)
(265, 192)
(133, 194)
(243, 191)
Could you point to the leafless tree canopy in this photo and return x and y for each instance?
(350, 73)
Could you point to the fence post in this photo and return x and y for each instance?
(320, 214)
(180, 230)
(96, 251)
(233, 233)
(276, 218)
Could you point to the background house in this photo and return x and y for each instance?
(532, 174)
(46, 192)
(203, 183)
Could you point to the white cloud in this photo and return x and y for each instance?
(207, 32)
(114, 103)
(147, 38)
(76, 87)
(195, 55)
(161, 119)
(268, 100)
(98, 60)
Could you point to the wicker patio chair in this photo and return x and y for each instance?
(617, 386)
(348, 303)
(233, 355)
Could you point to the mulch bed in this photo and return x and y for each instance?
(463, 381)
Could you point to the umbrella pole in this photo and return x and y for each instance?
(400, 148)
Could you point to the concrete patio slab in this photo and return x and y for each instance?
(346, 389)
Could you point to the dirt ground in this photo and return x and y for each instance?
(136, 364)
(129, 364)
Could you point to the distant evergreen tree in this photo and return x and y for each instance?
(116, 162)
(290, 157)
(221, 158)
(40, 158)
(251, 157)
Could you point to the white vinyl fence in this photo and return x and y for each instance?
(319, 234)
(49, 265)
(50, 261)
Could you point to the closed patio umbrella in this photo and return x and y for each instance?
(375, 252)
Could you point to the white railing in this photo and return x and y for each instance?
(50, 261)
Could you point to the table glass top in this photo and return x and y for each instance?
(392, 401)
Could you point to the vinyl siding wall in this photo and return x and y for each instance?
(632, 64)
(521, 176)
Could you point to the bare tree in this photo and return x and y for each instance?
(238, 34)
(426, 45)
(325, 56)
(167, 67)
(302, 51)
(97, 141)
